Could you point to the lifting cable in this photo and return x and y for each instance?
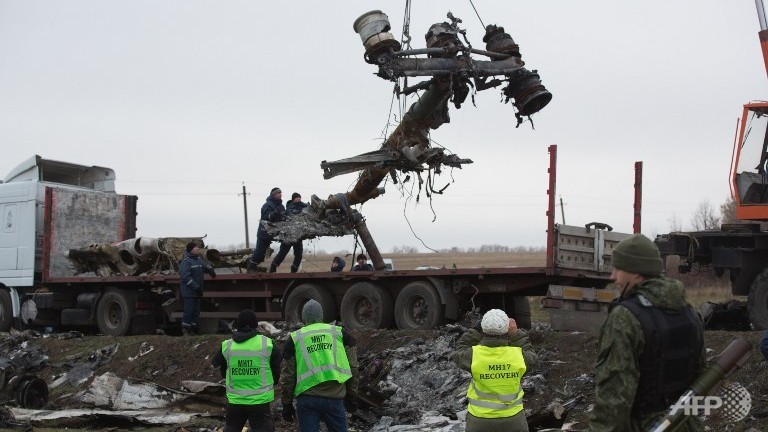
(476, 13)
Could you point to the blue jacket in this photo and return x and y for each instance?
(294, 208)
(272, 211)
(191, 271)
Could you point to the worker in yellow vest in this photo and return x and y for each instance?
(497, 360)
(250, 364)
(321, 371)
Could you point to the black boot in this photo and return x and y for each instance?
(272, 268)
(294, 269)
(252, 267)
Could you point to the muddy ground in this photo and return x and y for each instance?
(564, 374)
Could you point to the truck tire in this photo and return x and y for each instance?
(114, 312)
(418, 306)
(757, 301)
(303, 293)
(366, 305)
(6, 310)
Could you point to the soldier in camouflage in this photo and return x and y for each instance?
(651, 345)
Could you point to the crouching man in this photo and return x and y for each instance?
(250, 365)
(497, 360)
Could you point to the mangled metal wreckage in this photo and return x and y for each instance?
(454, 73)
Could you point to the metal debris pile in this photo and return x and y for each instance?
(147, 256)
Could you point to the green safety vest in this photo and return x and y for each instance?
(249, 376)
(494, 390)
(320, 356)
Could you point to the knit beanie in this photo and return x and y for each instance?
(295, 195)
(190, 246)
(274, 191)
(247, 318)
(312, 312)
(495, 322)
(637, 254)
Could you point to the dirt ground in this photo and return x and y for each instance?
(567, 361)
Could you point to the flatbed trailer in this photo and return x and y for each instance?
(577, 256)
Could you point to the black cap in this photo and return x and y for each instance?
(247, 318)
(191, 245)
(295, 195)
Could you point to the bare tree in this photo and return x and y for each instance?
(705, 217)
(674, 223)
(728, 211)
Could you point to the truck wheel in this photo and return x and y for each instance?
(521, 312)
(6, 310)
(303, 293)
(114, 312)
(418, 306)
(757, 301)
(366, 305)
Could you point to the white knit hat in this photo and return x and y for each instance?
(495, 322)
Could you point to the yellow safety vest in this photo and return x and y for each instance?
(249, 376)
(320, 356)
(494, 390)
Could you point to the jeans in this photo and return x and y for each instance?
(191, 312)
(310, 410)
(298, 251)
(259, 418)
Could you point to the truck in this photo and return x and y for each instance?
(739, 250)
(49, 208)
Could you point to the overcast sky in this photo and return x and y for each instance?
(187, 100)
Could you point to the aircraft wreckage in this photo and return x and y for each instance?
(455, 74)
(454, 71)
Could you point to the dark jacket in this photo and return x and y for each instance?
(341, 265)
(191, 271)
(240, 336)
(364, 267)
(617, 373)
(328, 389)
(294, 208)
(272, 211)
(764, 345)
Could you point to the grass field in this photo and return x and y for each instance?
(699, 289)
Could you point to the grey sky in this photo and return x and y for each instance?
(186, 100)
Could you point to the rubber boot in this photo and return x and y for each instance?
(272, 268)
(294, 269)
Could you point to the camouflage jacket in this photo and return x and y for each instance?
(617, 369)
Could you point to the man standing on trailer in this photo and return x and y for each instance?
(651, 345)
(271, 211)
(292, 208)
(191, 271)
(250, 365)
(321, 371)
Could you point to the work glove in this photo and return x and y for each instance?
(289, 413)
(350, 403)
